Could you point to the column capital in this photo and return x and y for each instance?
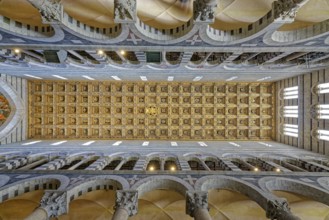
(54, 203)
(286, 10)
(125, 11)
(51, 10)
(279, 209)
(128, 200)
(204, 11)
(196, 200)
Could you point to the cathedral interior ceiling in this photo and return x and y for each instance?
(185, 111)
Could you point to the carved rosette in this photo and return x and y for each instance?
(204, 10)
(127, 200)
(196, 200)
(125, 11)
(279, 209)
(51, 10)
(55, 203)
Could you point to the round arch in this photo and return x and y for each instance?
(269, 184)
(161, 182)
(96, 183)
(58, 182)
(230, 183)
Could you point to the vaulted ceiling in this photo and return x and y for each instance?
(247, 40)
(169, 13)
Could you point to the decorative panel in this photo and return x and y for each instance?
(150, 110)
(4, 109)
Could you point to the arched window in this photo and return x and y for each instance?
(323, 111)
(323, 88)
(323, 135)
(290, 130)
(290, 111)
(290, 92)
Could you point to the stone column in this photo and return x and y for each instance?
(162, 164)
(225, 163)
(80, 163)
(248, 165)
(123, 161)
(53, 204)
(184, 164)
(34, 164)
(197, 205)
(126, 204)
(278, 209)
(205, 165)
(293, 167)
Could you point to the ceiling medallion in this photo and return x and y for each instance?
(151, 110)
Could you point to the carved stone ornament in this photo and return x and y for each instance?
(287, 9)
(125, 11)
(51, 10)
(127, 200)
(204, 10)
(55, 203)
(196, 200)
(279, 209)
(314, 112)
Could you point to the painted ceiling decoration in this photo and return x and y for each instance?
(4, 109)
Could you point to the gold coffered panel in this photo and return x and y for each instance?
(166, 111)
